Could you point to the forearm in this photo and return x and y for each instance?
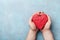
(31, 35)
(47, 34)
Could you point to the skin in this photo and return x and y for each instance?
(46, 32)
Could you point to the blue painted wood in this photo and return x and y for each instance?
(14, 16)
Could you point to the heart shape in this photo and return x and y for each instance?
(40, 20)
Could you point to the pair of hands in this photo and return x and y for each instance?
(46, 32)
(33, 26)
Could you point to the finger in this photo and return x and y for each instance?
(49, 19)
(30, 20)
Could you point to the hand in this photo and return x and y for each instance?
(47, 26)
(33, 30)
(32, 25)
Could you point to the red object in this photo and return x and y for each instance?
(40, 20)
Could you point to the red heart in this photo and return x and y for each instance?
(40, 20)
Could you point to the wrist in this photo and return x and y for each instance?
(44, 30)
(34, 31)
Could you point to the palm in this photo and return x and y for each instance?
(47, 26)
(31, 23)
